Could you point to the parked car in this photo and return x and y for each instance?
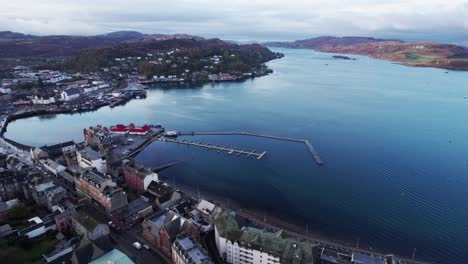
(146, 246)
(136, 245)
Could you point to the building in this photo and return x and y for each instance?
(134, 212)
(186, 251)
(115, 256)
(86, 221)
(43, 100)
(165, 195)
(101, 189)
(63, 222)
(161, 229)
(38, 227)
(11, 184)
(130, 129)
(5, 90)
(70, 94)
(39, 192)
(250, 245)
(205, 208)
(5, 207)
(57, 150)
(89, 158)
(61, 249)
(98, 137)
(137, 177)
(38, 154)
(52, 166)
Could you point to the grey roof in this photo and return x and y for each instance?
(72, 91)
(193, 251)
(90, 154)
(137, 205)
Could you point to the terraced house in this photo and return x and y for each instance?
(101, 189)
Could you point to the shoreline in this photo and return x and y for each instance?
(275, 223)
(402, 63)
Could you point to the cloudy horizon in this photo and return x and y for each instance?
(259, 20)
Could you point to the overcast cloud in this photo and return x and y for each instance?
(439, 20)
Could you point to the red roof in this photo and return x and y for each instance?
(130, 128)
(142, 129)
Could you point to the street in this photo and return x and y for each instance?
(125, 239)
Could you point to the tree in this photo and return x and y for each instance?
(18, 211)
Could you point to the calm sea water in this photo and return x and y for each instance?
(394, 141)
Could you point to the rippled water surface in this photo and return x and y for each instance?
(394, 141)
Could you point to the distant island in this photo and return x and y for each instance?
(341, 57)
(416, 54)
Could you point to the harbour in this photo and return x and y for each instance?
(311, 149)
(376, 139)
(228, 150)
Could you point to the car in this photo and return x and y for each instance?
(137, 245)
(146, 246)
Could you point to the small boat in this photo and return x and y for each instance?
(171, 134)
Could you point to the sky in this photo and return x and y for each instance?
(243, 20)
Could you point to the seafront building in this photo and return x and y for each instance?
(137, 177)
(250, 245)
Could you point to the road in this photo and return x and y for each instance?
(125, 239)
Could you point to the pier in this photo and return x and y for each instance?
(309, 146)
(226, 149)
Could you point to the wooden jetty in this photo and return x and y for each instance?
(226, 149)
(309, 146)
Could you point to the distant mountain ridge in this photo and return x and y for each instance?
(418, 54)
(17, 45)
(324, 41)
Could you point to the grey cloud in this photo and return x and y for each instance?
(248, 19)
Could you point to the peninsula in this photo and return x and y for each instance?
(416, 54)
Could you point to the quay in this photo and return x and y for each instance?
(309, 146)
(226, 149)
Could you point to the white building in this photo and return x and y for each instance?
(89, 158)
(5, 90)
(70, 94)
(90, 89)
(255, 246)
(52, 166)
(43, 101)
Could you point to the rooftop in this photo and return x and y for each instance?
(93, 177)
(160, 189)
(193, 252)
(91, 154)
(136, 206)
(278, 244)
(137, 169)
(115, 257)
(87, 217)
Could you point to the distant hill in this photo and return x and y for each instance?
(8, 35)
(18, 45)
(324, 42)
(246, 56)
(418, 54)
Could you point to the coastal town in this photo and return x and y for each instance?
(91, 202)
